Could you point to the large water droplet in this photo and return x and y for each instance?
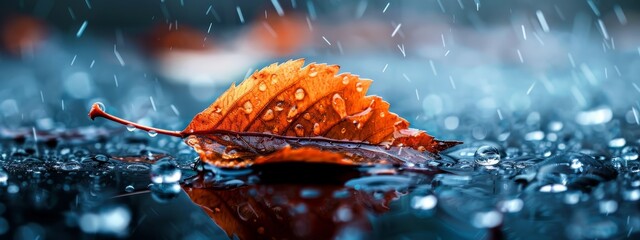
(487, 155)
(131, 128)
(279, 106)
(101, 106)
(164, 172)
(293, 112)
(262, 87)
(358, 124)
(101, 158)
(268, 115)
(339, 105)
(129, 188)
(313, 73)
(274, 79)
(152, 133)
(248, 107)
(307, 116)
(299, 129)
(343, 130)
(617, 143)
(316, 128)
(359, 87)
(345, 80)
(217, 109)
(299, 94)
(629, 153)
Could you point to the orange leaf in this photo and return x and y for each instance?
(313, 107)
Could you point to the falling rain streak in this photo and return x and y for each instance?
(153, 104)
(396, 30)
(543, 21)
(278, 8)
(531, 88)
(240, 16)
(115, 52)
(327, 41)
(82, 28)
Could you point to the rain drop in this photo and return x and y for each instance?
(101, 158)
(345, 80)
(359, 87)
(217, 109)
(299, 129)
(307, 116)
(316, 128)
(262, 87)
(357, 124)
(279, 106)
(101, 106)
(629, 153)
(487, 155)
(248, 107)
(152, 133)
(381, 114)
(313, 73)
(617, 143)
(268, 115)
(293, 112)
(165, 171)
(339, 105)
(343, 130)
(299, 94)
(131, 128)
(274, 79)
(129, 188)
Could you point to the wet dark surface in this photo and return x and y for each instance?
(97, 185)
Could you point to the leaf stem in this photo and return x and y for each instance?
(97, 111)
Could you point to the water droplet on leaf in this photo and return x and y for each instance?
(279, 106)
(339, 105)
(293, 112)
(262, 87)
(268, 115)
(299, 129)
(248, 107)
(299, 94)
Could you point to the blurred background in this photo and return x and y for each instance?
(159, 62)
